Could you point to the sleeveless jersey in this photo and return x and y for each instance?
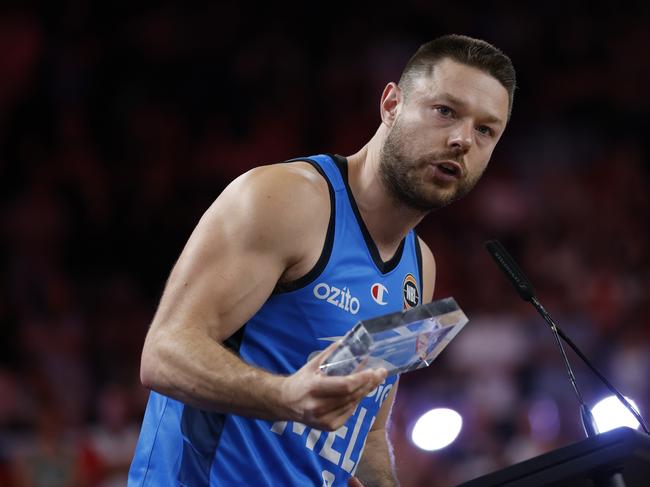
(183, 445)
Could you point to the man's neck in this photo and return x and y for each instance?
(387, 220)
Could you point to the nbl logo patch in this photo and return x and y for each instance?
(410, 292)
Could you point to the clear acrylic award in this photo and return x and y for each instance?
(398, 342)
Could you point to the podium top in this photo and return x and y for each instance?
(621, 450)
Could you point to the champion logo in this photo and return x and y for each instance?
(377, 291)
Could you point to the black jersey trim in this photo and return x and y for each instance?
(324, 258)
(233, 342)
(418, 256)
(202, 431)
(383, 267)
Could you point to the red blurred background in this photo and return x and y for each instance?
(119, 125)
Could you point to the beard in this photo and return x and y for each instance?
(402, 175)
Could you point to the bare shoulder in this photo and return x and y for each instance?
(274, 202)
(288, 179)
(294, 187)
(428, 271)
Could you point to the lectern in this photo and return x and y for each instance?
(587, 463)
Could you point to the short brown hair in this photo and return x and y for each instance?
(465, 50)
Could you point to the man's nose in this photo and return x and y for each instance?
(460, 137)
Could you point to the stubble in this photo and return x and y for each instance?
(403, 176)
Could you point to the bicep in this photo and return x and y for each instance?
(218, 281)
(233, 259)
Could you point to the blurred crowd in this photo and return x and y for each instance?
(119, 126)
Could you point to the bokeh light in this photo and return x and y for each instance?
(610, 413)
(436, 429)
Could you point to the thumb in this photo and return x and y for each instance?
(354, 482)
(316, 361)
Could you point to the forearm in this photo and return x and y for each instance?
(376, 467)
(195, 369)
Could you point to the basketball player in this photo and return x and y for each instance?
(287, 259)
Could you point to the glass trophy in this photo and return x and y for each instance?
(398, 342)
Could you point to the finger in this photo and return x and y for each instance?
(334, 412)
(332, 386)
(316, 361)
(369, 378)
(351, 384)
(354, 482)
(380, 374)
(335, 418)
(343, 411)
(376, 377)
(336, 405)
(369, 387)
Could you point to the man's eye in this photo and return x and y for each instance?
(484, 130)
(444, 111)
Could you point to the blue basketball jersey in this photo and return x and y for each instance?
(183, 445)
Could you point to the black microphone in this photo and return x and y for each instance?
(525, 289)
(511, 270)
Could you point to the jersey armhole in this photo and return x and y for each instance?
(324, 258)
(418, 256)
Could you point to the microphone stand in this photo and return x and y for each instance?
(606, 479)
(588, 421)
(557, 331)
(525, 290)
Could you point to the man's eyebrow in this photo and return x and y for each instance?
(449, 98)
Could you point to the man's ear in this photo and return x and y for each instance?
(391, 100)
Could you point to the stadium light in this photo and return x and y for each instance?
(610, 413)
(436, 429)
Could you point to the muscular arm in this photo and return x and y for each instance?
(377, 464)
(259, 231)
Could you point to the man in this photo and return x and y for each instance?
(287, 259)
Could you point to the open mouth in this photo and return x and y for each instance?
(449, 168)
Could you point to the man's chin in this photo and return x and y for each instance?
(428, 204)
(441, 198)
